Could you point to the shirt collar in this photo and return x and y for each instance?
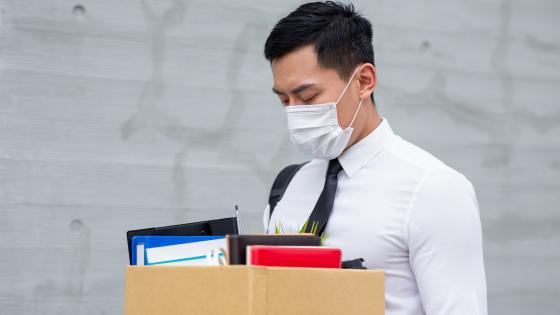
(356, 156)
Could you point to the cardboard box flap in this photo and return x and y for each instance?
(186, 290)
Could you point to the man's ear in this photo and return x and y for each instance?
(367, 76)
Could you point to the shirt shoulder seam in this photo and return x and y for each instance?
(414, 163)
(414, 197)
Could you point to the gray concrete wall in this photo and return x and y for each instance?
(124, 114)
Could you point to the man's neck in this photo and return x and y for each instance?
(373, 120)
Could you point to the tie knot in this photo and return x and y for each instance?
(334, 167)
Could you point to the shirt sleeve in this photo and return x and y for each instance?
(265, 218)
(445, 246)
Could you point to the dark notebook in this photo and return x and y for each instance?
(237, 244)
(211, 227)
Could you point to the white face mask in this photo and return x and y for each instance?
(314, 129)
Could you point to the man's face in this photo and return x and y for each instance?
(300, 80)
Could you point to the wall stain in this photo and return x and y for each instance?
(544, 46)
(433, 96)
(502, 128)
(71, 281)
(507, 133)
(189, 139)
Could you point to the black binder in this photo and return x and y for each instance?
(211, 227)
(237, 244)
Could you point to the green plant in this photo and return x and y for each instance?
(279, 229)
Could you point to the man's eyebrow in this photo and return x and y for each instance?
(296, 90)
(277, 92)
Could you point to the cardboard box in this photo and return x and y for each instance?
(252, 290)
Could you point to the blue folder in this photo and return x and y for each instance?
(158, 241)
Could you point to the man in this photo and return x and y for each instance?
(386, 200)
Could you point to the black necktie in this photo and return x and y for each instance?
(318, 219)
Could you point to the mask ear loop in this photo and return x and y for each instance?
(356, 114)
(347, 85)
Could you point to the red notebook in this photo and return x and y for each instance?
(294, 256)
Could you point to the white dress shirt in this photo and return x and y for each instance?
(403, 211)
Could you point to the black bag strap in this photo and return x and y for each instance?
(353, 264)
(281, 183)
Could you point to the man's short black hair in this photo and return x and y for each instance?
(342, 38)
